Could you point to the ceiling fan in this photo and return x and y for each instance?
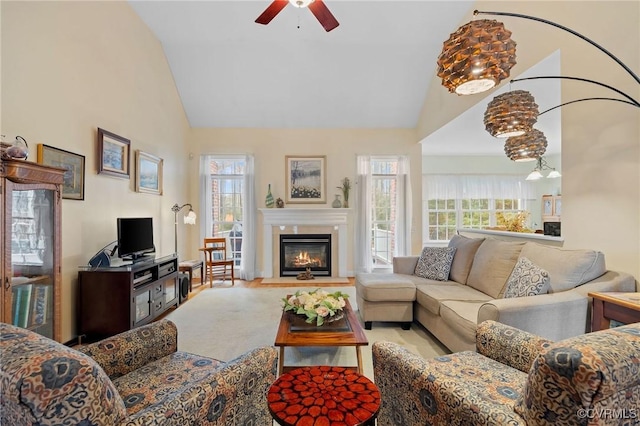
(317, 7)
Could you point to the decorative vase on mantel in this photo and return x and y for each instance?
(268, 202)
(336, 203)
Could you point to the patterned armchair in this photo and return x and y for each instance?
(135, 378)
(515, 378)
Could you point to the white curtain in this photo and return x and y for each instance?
(404, 208)
(477, 186)
(205, 199)
(363, 257)
(249, 211)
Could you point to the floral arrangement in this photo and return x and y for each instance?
(345, 188)
(513, 221)
(319, 306)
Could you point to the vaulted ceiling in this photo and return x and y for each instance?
(372, 71)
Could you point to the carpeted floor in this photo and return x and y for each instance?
(223, 323)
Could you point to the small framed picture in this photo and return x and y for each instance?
(73, 184)
(306, 179)
(148, 173)
(113, 154)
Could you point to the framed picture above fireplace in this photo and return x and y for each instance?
(306, 179)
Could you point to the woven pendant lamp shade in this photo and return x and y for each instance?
(511, 114)
(476, 57)
(528, 147)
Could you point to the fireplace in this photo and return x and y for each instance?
(301, 251)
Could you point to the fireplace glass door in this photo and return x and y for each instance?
(301, 251)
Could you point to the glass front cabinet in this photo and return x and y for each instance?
(30, 201)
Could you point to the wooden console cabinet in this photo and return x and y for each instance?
(113, 300)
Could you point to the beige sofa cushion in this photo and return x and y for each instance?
(430, 296)
(492, 266)
(385, 287)
(567, 268)
(462, 317)
(465, 251)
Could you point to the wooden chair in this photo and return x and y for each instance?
(216, 261)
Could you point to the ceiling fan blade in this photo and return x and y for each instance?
(270, 12)
(323, 15)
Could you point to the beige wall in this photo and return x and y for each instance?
(270, 146)
(70, 67)
(600, 140)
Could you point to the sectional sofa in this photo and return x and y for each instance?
(455, 298)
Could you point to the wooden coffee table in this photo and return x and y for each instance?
(293, 331)
(617, 306)
(323, 395)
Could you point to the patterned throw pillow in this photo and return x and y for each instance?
(435, 263)
(527, 279)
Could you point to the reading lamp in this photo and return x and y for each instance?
(189, 219)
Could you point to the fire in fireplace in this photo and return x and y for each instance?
(301, 251)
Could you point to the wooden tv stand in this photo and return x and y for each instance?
(113, 300)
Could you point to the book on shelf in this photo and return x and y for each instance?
(22, 305)
(40, 304)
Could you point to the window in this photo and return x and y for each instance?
(384, 210)
(453, 201)
(224, 202)
(383, 215)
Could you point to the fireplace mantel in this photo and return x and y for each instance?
(337, 218)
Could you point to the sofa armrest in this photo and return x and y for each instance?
(509, 345)
(554, 316)
(609, 281)
(236, 394)
(405, 264)
(132, 349)
(418, 391)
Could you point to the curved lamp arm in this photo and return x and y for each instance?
(586, 99)
(569, 30)
(620, 92)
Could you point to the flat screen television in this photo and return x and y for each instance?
(135, 237)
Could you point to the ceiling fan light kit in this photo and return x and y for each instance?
(477, 57)
(511, 114)
(317, 7)
(300, 3)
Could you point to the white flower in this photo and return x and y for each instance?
(322, 311)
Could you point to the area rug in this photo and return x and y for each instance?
(223, 323)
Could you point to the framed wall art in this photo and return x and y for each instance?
(306, 179)
(148, 173)
(113, 154)
(73, 184)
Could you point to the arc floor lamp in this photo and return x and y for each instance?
(189, 219)
(480, 54)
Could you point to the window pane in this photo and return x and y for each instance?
(227, 188)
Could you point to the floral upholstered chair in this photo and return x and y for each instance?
(515, 378)
(135, 378)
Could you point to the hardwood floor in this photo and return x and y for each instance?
(257, 283)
